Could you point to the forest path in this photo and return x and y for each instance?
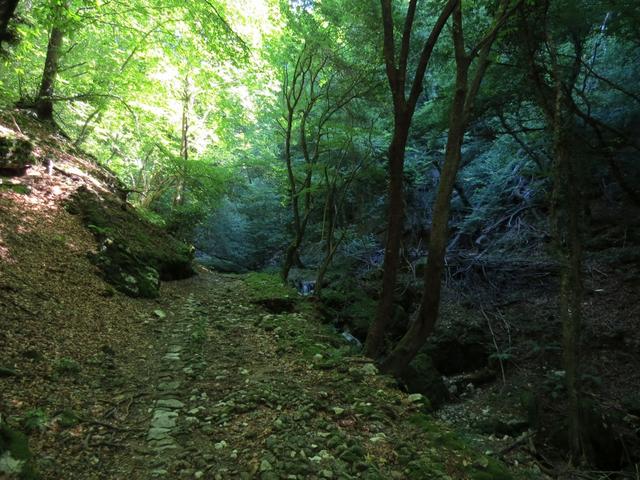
(227, 397)
(243, 383)
(231, 377)
(217, 383)
(210, 376)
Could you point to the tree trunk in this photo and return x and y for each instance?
(330, 221)
(566, 219)
(7, 11)
(462, 107)
(415, 337)
(44, 101)
(291, 257)
(331, 248)
(395, 220)
(404, 108)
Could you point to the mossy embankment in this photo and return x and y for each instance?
(132, 254)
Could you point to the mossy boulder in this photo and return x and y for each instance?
(15, 154)
(134, 255)
(422, 377)
(126, 271)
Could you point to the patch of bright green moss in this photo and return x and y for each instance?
(268, 285)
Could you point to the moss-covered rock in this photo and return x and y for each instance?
(134, 255)
(15, 154)
(422, 377)
(15, 456)
(126, 271)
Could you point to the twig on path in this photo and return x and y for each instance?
(495, 344)
(85, 442)
(112, 427)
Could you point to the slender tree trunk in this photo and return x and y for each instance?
(187, 95)
(292, 256)
(566, 219)
(7, 11)
(332, 243)
(329, 221)
(44, 100)
(293, 197)
(570, 312)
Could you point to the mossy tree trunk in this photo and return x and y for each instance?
(553, 95)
